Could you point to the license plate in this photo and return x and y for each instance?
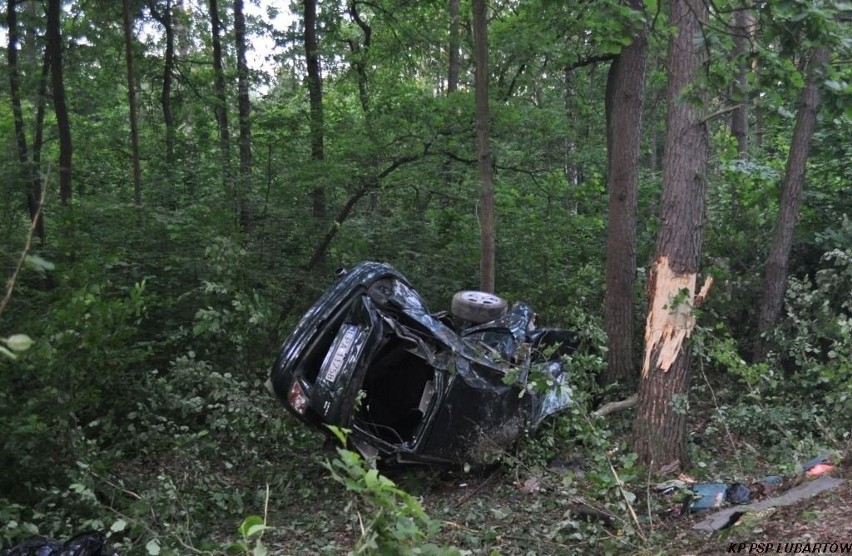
(336, 356)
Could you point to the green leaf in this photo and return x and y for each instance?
(236, 548)
(255, 530)
(7, 353)
(339, 433)
(249, 524)
(153, 547)
(18, 342)
(38, 263)
(371, 478)
(260, 550)
(118, 525)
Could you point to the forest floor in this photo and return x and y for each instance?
(512, 510)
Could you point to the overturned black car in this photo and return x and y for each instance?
(421, 387)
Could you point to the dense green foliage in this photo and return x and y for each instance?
(139, 406)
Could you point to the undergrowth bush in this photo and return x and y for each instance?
(391, 521)
(799, 401)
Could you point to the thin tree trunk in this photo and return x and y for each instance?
(570, 164)
(165, 19)
(483, 155)
(659, 431)
(624, 97)
(360, 52)
(244, 107)
(315, 99)
(221, 98)
(739, 117)
(131, 103)
(243, 89)
(41, 106)
(453, 68)
(29, 172)
(775, 277)
(54, 47)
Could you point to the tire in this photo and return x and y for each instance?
(478, 307)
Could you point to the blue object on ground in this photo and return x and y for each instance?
(711, 495)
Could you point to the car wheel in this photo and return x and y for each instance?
(478, 307)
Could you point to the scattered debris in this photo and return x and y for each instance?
(727, 517)
(710, 495)
(738, 493)
(818, 466)
(687, 496)
(533, 484)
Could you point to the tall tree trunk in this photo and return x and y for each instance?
(775, 277)
(244, 107)
(570, 168)
(624, 97)
(243, 89)
(54, 47)
(38, 132)
(659, 431)
(360, 50)
(165, 19)
(743, 24)
(131, 103)
(221, 99)
(453, 67)
(315, 98)
(29, 172)
(483, 154)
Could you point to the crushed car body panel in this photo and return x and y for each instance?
(370, 357)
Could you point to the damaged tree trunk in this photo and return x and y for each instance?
(659, 431)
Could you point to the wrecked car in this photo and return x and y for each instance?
(454, 387)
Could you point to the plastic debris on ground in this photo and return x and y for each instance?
(686, 496)
(818, 466)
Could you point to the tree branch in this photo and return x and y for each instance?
(612, 407)
(10, 283)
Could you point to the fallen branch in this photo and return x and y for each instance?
(612, 407)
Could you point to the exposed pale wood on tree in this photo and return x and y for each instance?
(670, 319)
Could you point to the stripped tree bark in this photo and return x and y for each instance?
(659, 431)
